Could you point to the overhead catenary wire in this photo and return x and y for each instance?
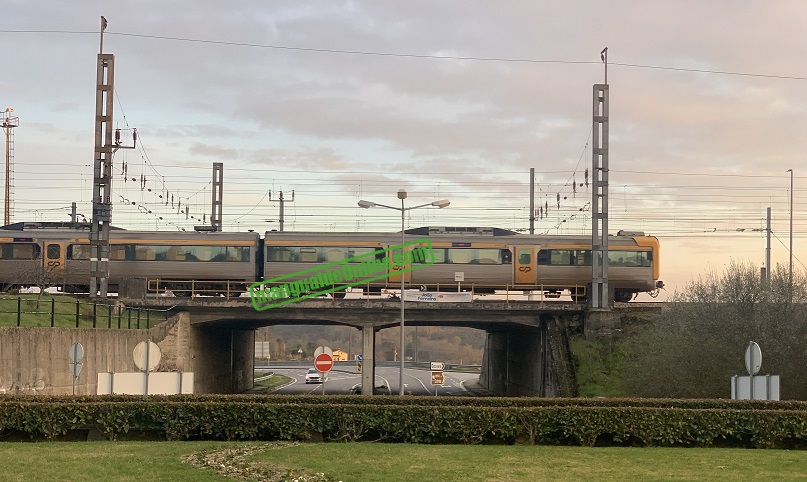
(652, 203)
(525, 60)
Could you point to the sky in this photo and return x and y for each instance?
(341, 101)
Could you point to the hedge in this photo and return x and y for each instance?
(627, 422)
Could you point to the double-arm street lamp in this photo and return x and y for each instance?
(402, 196)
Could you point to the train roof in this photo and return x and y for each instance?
(445, 231)
(29, 226)
(622, 238)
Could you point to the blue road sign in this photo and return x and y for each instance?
(358, 357)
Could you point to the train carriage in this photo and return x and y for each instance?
(41, 254)
(187, 263)
(488, 259)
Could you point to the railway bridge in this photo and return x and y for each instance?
(526, 349)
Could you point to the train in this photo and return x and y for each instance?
(486, 260)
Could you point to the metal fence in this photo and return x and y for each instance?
(34, 311)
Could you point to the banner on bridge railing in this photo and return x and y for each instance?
(435, 297)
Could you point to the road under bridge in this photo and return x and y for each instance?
(526, 349)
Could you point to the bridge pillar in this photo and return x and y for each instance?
(368, 360)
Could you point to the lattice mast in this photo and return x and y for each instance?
(105, 148)
(218, 196)
(8, 122)
(600, 294)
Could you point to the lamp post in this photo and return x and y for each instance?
(790, 271)
(402, 196)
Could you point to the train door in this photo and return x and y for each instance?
(525, 265)
(54, 259)
(394, 278)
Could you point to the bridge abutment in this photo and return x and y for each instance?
(601, 324)
(529, 361)
(222, 359)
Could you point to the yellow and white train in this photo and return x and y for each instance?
(490, 259)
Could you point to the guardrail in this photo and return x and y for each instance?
(543, 292)
(235, 289)
(41, 312)
(191, 288)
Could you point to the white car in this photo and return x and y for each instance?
(313, 376)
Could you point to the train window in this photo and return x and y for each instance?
(507, 256)
(439, 255)
(524, 256)
(630, 258)
(80, 251)
(424, 254)
(144, 253)
(309, 255)
(280, 254)
(318, 254)
(363, 252)
(117, 252)
(460, 256)
(489, 256)
(333, 255)
(20, 251)
(468, 256)
(54, 251)
(582, 257)
(152, 252)
(565, 257)
(560, 257)
(238, 254)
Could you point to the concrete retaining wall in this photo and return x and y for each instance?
(36, 360)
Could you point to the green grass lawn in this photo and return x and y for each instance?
(35, 311)
(145, 461)
(274, 381)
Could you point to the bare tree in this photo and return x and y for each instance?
(698, 344)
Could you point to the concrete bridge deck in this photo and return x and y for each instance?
(378, 313)
(526, 349)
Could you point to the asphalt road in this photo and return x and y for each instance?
(339, 381)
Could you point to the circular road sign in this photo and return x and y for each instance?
(322, 349)
(753, 358)
(146, 355)
(323, 362)
(76, 352)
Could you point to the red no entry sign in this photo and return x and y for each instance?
(323, 362)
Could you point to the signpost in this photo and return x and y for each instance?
(76, 353)
(323, 362)
(753, 358)
(753, 386)
(459, 277)
(146, 356)
(437, 374)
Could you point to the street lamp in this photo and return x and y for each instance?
(791, 236)
(402, 196)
